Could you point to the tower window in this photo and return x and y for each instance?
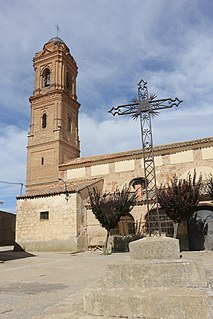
(44, 120)
(69, 124)
(68, 81)
(42, 161)
(46, 78)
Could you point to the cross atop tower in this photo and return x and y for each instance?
(57, 29)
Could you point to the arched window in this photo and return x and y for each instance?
(46, 78)
(44, 120)
(126, 226)
(200, 228)
(138, 184)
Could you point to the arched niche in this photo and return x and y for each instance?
(46, 78)
(138, 184)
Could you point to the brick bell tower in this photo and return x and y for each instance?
(53, 137)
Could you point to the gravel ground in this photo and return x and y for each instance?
(31, 283)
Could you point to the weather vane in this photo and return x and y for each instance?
(57, 29)
(145, 107)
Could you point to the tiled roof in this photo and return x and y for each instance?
(59, 188)
(137, 152)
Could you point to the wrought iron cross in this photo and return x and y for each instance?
(146, 107)
(57, 29)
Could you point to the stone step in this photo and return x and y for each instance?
(156, 273)
(150, 303)
(157, 247)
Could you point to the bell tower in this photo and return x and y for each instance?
(53, 137)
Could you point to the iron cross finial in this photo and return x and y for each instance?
(57, 29)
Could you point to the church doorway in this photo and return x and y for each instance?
(124, 233)
(200, 229)
(125, 227)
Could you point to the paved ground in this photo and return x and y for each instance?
(50, 285)
(31, 283)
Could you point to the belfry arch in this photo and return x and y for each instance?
(46, 78)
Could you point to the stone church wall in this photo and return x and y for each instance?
(119, 172)
(57, 233)
(71, 225)
(81, 215)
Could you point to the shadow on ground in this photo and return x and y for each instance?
(12, 254)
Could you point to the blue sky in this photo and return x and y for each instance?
(115, 43)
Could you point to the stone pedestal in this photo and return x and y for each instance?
(157, 247)
(154, 284)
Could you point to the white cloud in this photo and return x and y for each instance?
(109, 136)
(123, 133)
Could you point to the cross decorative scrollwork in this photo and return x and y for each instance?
(145, 107)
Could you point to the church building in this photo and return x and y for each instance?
(54, 214)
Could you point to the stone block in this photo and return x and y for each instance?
(151, 303)
(157, 247)
(156, 273)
